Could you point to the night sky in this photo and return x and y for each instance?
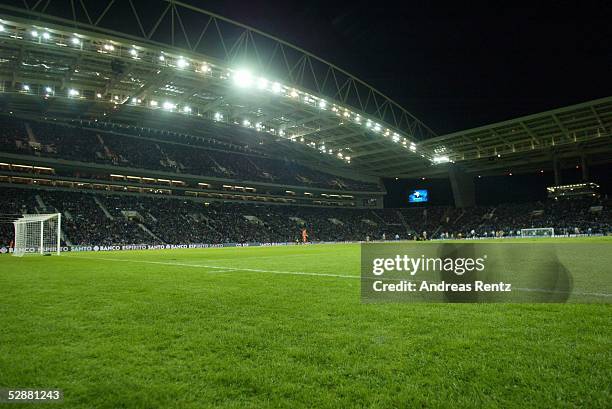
(456, 65)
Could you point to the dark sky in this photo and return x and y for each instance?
(453, 65)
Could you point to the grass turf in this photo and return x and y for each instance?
(210, 328)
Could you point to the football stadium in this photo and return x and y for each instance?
(195, 213)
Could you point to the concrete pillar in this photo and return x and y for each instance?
(557, 171)
(463, 187)
(584, 168)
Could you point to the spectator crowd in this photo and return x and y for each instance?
(145, 150)
(114, 218)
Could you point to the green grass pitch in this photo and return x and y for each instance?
(281, 327)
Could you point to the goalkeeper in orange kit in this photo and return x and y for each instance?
(304, 236)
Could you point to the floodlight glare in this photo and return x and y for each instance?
(218, 116)
(1, 28)
(246, 122)
(441, 159)
(182, 63)
(262, 83)
(133, 52)
(34, 33)
(109, 47)
(75, 41)
(26, 87)
(294, 94)
(98, 95)
(276, 88)
(73, 92)
(46, 35)
(48, 90)
(243, 78)
(169, 106)
(205, 68)
(162, 58)
(187, 110)
(153, 103)
(322, 104)
(396, 138)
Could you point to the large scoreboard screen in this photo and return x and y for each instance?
(418, 196)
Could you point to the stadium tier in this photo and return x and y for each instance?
(119, 219)
(139, 148)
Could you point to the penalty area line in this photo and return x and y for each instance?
(223, 269)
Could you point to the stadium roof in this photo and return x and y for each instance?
(527, 142)
(168, 64)
(123, 58)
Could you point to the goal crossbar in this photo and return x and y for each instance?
(37, 234)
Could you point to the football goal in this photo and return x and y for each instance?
(37, 234)
(538, 232)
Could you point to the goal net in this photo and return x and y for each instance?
(539, 232)
(37, 234)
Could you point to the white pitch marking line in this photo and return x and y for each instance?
(301, 273)
(224, 269)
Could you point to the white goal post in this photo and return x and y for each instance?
(37, 234)
(538, 232)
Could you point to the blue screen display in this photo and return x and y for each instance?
(418, 196)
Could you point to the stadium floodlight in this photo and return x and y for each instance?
(187, 109)
(396, 138)
(246, 122)
(440, 159)
(218, 116)
(258, 126)
(25, 87)
(262, 83)
(243, 78)
(153, 103)
(368, 124)
(322, 104)
(1, 28)
(46, 35)
(109, 47)
(412, 147)
(37, 234)
(134, 52)
(168, 106)
(358, 119)
(98, 95)
(34, 33)
(48, 90)
(294, 94)
(182, 63)
(73, 92)
(276, 88)
(75, 41)
(376, 128)
(205, 68)
(162, 58)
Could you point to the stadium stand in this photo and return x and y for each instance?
(143, 149)
(114, 219)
